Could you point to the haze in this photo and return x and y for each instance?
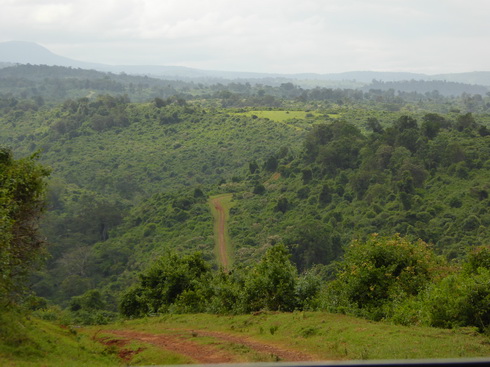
(275, 36)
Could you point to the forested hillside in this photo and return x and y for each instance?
(135, 160)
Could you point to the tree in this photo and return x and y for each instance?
(271, 284)
(259, 189)
(460, 299)
(253, 167)
(432, 124)
(163, 284)
(466, 121)
(271, 164)
(22, 193)
(377, 272)
(282, 205)
(374, 125)
(325, 195)
(311, 244)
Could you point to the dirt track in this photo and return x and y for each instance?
(282, 353)
(183, 344)
(221, 233)
(178, 344)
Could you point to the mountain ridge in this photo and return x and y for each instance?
(21, 52)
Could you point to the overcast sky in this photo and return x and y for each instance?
(284, 36)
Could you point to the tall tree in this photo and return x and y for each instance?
(22, 192)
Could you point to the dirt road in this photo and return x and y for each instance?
(184, 342)
(198, 353)
(220, 232)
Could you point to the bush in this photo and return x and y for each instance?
(163, 284)
(227, 293)
(460, 300)
(271, 284)
(479, 257)
(307, 289)
(380, 272)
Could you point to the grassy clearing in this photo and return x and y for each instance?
(329, 336)
(221, 230)
(281, 116)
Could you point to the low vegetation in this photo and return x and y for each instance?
(321, 336)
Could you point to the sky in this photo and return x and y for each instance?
(273, 36)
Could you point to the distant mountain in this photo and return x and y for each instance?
(32, 53)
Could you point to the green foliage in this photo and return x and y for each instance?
(227, 292)
(460, 299)
(90, 301)
(312, 243)
(310, 168)
(382, 270)
(271, 284)
(22, 190)
(334, 146)
(171, 280)
(478, 257)
(187, 285)
(308, 287)
(325, 165)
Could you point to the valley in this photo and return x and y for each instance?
(229, 219)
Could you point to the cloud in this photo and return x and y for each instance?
(259, 35)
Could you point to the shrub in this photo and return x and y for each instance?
(379, 272)
(271, 284)
(170, 278)
(460, 300)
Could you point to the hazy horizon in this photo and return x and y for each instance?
(268, 36)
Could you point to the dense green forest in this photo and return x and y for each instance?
(314, 173)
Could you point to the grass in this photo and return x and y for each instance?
(322, 335)
(283, 116)
(39, 343)
(330, 336)
(280, 116)
(226, 202)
